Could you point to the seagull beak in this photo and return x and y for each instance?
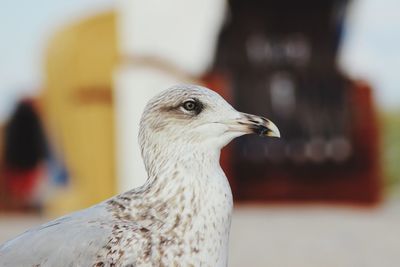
(247, 123)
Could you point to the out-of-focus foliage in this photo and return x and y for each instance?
(391, 150)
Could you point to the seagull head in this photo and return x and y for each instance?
(194, 116)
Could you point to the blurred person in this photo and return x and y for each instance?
(24, 151)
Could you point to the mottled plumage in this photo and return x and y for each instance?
(180, 217)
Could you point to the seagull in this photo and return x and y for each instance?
(181, 216)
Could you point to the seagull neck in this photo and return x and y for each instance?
(195, 161)
(195, 199)
(187, 193)
(194, 174)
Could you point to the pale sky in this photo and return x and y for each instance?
(25, 28)
(371, 48)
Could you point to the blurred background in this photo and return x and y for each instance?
(75, 76)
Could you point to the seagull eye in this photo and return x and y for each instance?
(190, 105)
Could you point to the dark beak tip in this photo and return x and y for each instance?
(265, 131)
(261, 130)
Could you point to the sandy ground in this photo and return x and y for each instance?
(296, 236)
(315, 236)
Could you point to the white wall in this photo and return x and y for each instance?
(178, 33)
